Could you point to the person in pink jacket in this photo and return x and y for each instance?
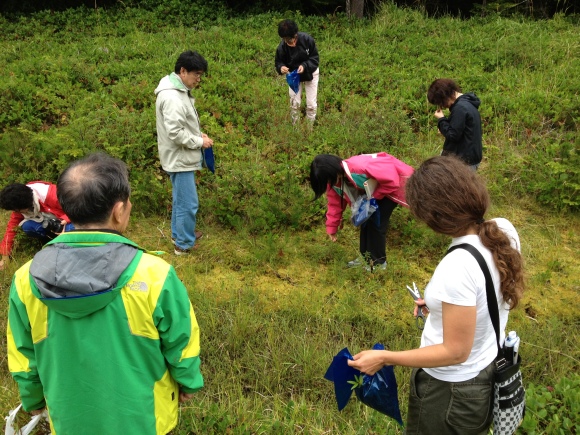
(35, 208)
(343, 181)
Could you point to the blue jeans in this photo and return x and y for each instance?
(35, 229)
(184, 210)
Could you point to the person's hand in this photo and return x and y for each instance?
(300, 69)
(207, 142)
(64, 224)
(420, 304)
(332, 237)
(184, 397)
(285, 70)
(37, 411)
(439, 113)
(368, 361)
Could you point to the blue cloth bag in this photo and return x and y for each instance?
(209, 159)
(293, 80)
(378, 391)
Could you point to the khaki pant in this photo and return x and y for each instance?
(439, 407)
(311, 89)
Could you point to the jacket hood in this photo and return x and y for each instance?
(76, 279)
(172, 81)
(471, 98)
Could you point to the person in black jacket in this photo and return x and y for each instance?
(297, 52)
(462, 129)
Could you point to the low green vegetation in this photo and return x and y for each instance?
(271, 293)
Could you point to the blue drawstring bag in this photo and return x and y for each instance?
(378, 391)
(293, 80)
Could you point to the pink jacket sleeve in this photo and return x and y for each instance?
(334, 210)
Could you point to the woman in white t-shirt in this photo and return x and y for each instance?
(451, 389)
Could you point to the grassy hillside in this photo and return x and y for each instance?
(272, 296)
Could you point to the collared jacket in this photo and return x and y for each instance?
(390, 173)
(48, 204)
(179, 137)
(304, 53)
(462, 130)
(103, 334)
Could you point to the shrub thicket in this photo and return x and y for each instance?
(85, 83)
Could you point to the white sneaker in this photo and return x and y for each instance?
(357, 262)
(376, 267)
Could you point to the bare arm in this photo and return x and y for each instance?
(458, 336)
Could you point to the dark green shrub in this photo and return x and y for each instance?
(553, 410)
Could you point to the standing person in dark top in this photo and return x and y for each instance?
(462, 129)
(297, 52)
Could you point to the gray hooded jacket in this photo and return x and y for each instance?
(178, 132)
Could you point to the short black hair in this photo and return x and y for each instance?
(324, 170)
(16, 196)
(287, 29)
(191, 61)
(89, 188)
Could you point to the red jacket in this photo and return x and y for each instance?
(390, 173)
(49, 205)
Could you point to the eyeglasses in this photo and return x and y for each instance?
(197, 75)
(290, 38)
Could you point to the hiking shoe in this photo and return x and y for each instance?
(376, 267)
(355, 263)
(198, 235)
(180, 251)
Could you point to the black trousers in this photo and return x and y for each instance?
(373, 239)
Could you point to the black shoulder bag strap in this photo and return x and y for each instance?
(503, 370)
(489, 289)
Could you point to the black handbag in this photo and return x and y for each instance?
(509, 402)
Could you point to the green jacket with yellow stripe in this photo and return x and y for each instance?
(103, 334)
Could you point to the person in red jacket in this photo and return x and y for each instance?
(343, 181)
(35, 209)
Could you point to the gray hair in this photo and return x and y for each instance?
(89, 188)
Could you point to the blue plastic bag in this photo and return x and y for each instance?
(378, 391)
(340, 373)
(293, 79)
(362, 210)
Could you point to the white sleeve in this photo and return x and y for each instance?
(457, 279)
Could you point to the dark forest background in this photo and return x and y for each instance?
(464, 8)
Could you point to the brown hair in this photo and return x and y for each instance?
(451, 198)
(442, 91)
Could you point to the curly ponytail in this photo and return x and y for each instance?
(507, 260)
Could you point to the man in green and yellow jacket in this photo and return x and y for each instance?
(100, 332)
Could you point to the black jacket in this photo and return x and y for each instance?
(462, 130)
(304, 53)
